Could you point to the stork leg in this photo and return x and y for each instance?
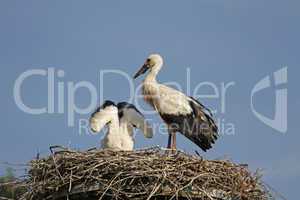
(173, 147)
(170, 141)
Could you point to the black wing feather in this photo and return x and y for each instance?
(104, 105)
(198, 126)
(125, 105)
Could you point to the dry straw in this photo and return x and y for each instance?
(143, 174)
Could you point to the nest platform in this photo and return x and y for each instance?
(146, 174)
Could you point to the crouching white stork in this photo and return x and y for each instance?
(121, 120)
(181, 113)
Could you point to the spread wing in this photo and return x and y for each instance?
(132, 115)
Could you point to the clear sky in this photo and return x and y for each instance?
(237, 42)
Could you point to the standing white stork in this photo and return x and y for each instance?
(181, 113)
(121, 120)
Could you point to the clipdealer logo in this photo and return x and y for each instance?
(279, 122)
(58, 90)
(63, 96)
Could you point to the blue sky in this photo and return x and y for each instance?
(220, 41)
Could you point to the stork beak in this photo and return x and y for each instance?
(142, 70)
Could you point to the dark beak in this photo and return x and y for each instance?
(142, 70)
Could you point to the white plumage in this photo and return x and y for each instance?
(181, 113)
(121, 120)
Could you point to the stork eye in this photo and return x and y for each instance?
(148, 60)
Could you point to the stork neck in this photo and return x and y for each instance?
(151, 77)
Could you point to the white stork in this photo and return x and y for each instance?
(181, 113)
(121, 120)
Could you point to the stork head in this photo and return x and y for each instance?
(103, 115)
(153, 62)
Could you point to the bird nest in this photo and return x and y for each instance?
(143, 174)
